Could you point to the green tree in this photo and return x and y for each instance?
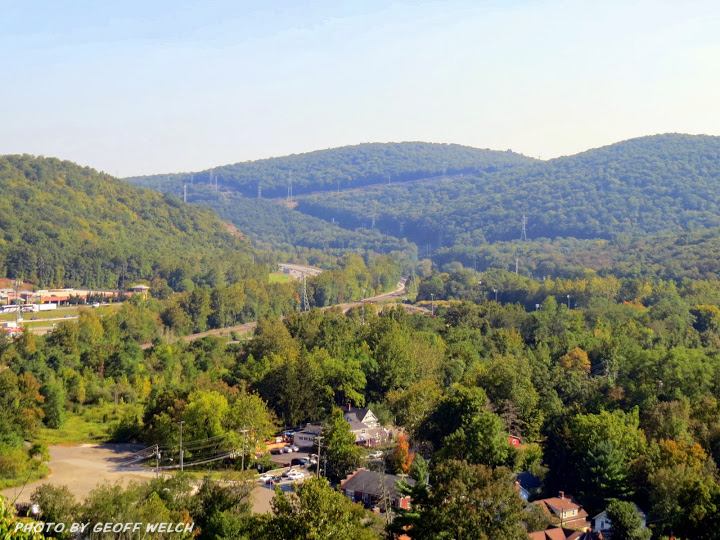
(9, 521)
(248, 411)
(57, 505)
(338, 447)
(464, 501)
(315, 512)
(204, 415)
(626, 521)
(54, 404)
(480, 440)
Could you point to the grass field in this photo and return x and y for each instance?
(279, 277)
(93, 424)
(26, 477)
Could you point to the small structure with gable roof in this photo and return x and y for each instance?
(565, 511)
(367, 487)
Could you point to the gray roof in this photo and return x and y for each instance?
(358, 413)
(369, 482)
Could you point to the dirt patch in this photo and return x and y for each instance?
(81, 468)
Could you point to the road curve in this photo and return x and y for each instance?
(248, 327)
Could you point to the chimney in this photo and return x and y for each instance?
(562, 494)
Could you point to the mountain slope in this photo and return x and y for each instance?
(61, 223)
(340, 168)
(284, 228)
(640, 186)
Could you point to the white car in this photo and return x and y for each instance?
(287, 473)
(375, 455)
(265, 478)
(296, 475)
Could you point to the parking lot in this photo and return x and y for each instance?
(285, 460)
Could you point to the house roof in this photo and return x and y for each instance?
(558, 504)
(358, 414)
(528, 480)
(559, 533)
(555, 506)
(369, 482)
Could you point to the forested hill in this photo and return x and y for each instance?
(341, 168)
(645, 185)
(63, 224)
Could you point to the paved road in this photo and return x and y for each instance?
(298, 271)
(249, 327)
(81, 468)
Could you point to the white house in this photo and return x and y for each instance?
(601, 522)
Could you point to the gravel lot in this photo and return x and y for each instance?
(81, 468)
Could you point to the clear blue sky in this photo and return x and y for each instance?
(146, 87)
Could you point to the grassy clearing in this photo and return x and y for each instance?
(279, 277)
(27, 477)
(93, 424)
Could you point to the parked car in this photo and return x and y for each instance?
(287, 473)
(286, 449)
(265, 478)
(296, 475)
(295, 448)
(276, 451)
(375, 454)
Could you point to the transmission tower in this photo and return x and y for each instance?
(306, 302)
(259, 191)
(523, 234)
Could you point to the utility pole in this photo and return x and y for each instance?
(157, 461)
(242, 461)
(363, 306)
(432, 304)
(517, 262)
(17, 285)
(184, 192)
(495, 291)
(181, 450)
(319, 440)
(523, 234)
(568, 297)
(305, 300)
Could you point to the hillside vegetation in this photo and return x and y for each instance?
(340, 168)
(63, 224)
(640, 186)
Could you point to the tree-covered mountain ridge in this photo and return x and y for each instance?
(61, 223)
(340, 168)
(639, 186)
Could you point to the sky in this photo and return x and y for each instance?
(160, 86)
